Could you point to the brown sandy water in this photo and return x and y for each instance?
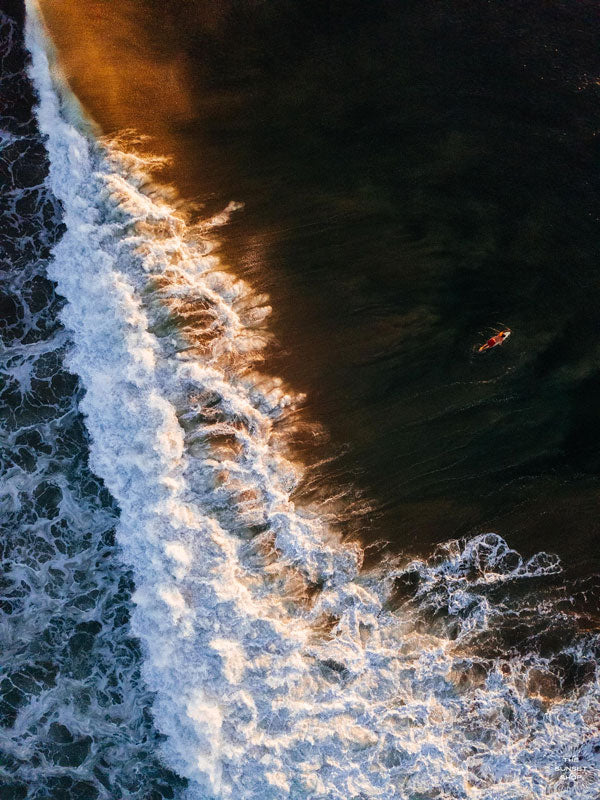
(412, 176)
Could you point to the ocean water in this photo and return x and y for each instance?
(413, 174)
(184, 614)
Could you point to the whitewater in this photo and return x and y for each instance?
(279, 668)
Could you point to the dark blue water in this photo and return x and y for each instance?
(75, 717)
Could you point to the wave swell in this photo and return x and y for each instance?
(279, 668)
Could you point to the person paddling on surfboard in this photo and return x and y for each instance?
(497, 339)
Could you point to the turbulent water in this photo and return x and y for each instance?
(73, 709)
(173, 623)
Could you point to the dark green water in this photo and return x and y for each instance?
(414, 174)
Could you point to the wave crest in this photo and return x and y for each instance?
(262, 696)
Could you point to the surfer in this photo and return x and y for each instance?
(497, 339)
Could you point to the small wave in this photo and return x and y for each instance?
(280, 669)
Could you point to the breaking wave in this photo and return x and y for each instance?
(278, 667)
(74, 713)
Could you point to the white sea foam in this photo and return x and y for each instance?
(261, 696)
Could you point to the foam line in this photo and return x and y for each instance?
(262, 696)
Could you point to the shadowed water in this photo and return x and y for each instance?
(412, 175)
